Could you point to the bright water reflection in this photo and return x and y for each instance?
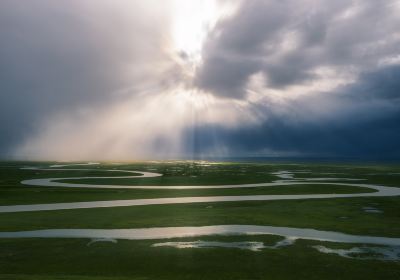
(179, 232)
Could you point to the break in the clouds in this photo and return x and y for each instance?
(139, 79)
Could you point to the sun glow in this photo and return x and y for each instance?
(154, 119)
(192, 21)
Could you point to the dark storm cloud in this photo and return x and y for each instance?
(64, 55)
(383, 84)
(287, 41)
(361, 119)
(378, 138)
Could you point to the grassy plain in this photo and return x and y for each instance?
(36, 259)
(73, 259)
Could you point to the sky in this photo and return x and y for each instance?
(132, 79)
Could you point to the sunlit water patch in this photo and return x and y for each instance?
(245, 245)
(371, 210)
(180, 232)
(254, 246)
(365, 253)
(97, 240)
(284, 174)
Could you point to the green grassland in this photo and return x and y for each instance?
(324, 214)
(12, 192)
(35, 195)
(61, 259)
(74, 259)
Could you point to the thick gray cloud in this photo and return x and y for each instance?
(288, 41)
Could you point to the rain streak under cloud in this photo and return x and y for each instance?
(159, 79)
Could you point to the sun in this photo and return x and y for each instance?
(192, 20)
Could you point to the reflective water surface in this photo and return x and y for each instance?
(288, 181)
(365, 253)
(290, 235)
(245, 245)
(177, 232)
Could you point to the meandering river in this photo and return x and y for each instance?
(286, 178)
(53, 182)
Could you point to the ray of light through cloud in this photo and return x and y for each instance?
(176, 78)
